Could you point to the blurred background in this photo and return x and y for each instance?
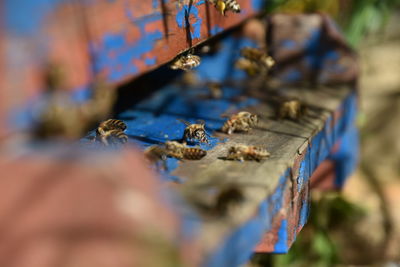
(359, 226)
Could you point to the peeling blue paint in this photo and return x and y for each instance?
(115, 54)
(302, 176)
(150, 61)
(304, 212)
(281, 245)
(195, 27)
(276, 199)
(155, 3)
(216, 29)
(238, 248)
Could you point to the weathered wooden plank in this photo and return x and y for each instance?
(131, 37)
(284, 139)
(121, 39)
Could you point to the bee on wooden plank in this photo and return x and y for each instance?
(112, 124)
(186, 62)
(244, 152)
(195, 131)
(181, 151)
(227, 199)
(155, 153)
(111, 132)
(250, 67)
(226, 5)
(242, 121)
(291, 109)
(111, 137)
(257, 55)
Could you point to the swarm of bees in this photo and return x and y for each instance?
(291, 109)
(254, 61)
(195, 131)
(244, 152)
(185, 62)
(226, 5)
(242, 122)
(111, 132)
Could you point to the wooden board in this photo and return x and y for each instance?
(274, 181)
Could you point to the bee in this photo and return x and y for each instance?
(111, 137)
(257, 55)
(181, 151)
(185, 62)
(224, 5)
(112, 124)
(195, 131)
(249, 66)
(215, 89)
(111, 132)
(242, 121)
(244, 152)
(155, 153)
(228, 197)
(291, 109)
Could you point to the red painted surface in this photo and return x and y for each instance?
(67, 33)
(323, 179)
(85, 211)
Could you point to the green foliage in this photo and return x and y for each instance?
(315, 246)
(358, 17)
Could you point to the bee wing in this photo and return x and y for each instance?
(228, 113)
(184, 122)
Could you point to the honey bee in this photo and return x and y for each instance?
(228, 197)
(257, 55)
(291, 109)
(112, 124)
(186, 62)
(215, 89)
(249, 66)
(111, 132)
(155, 153)
(181, 151)
(111, 137)
(242, 121)
(224, 5)
(244, 152)
(195, 131)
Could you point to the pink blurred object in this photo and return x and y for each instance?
(66, 207)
